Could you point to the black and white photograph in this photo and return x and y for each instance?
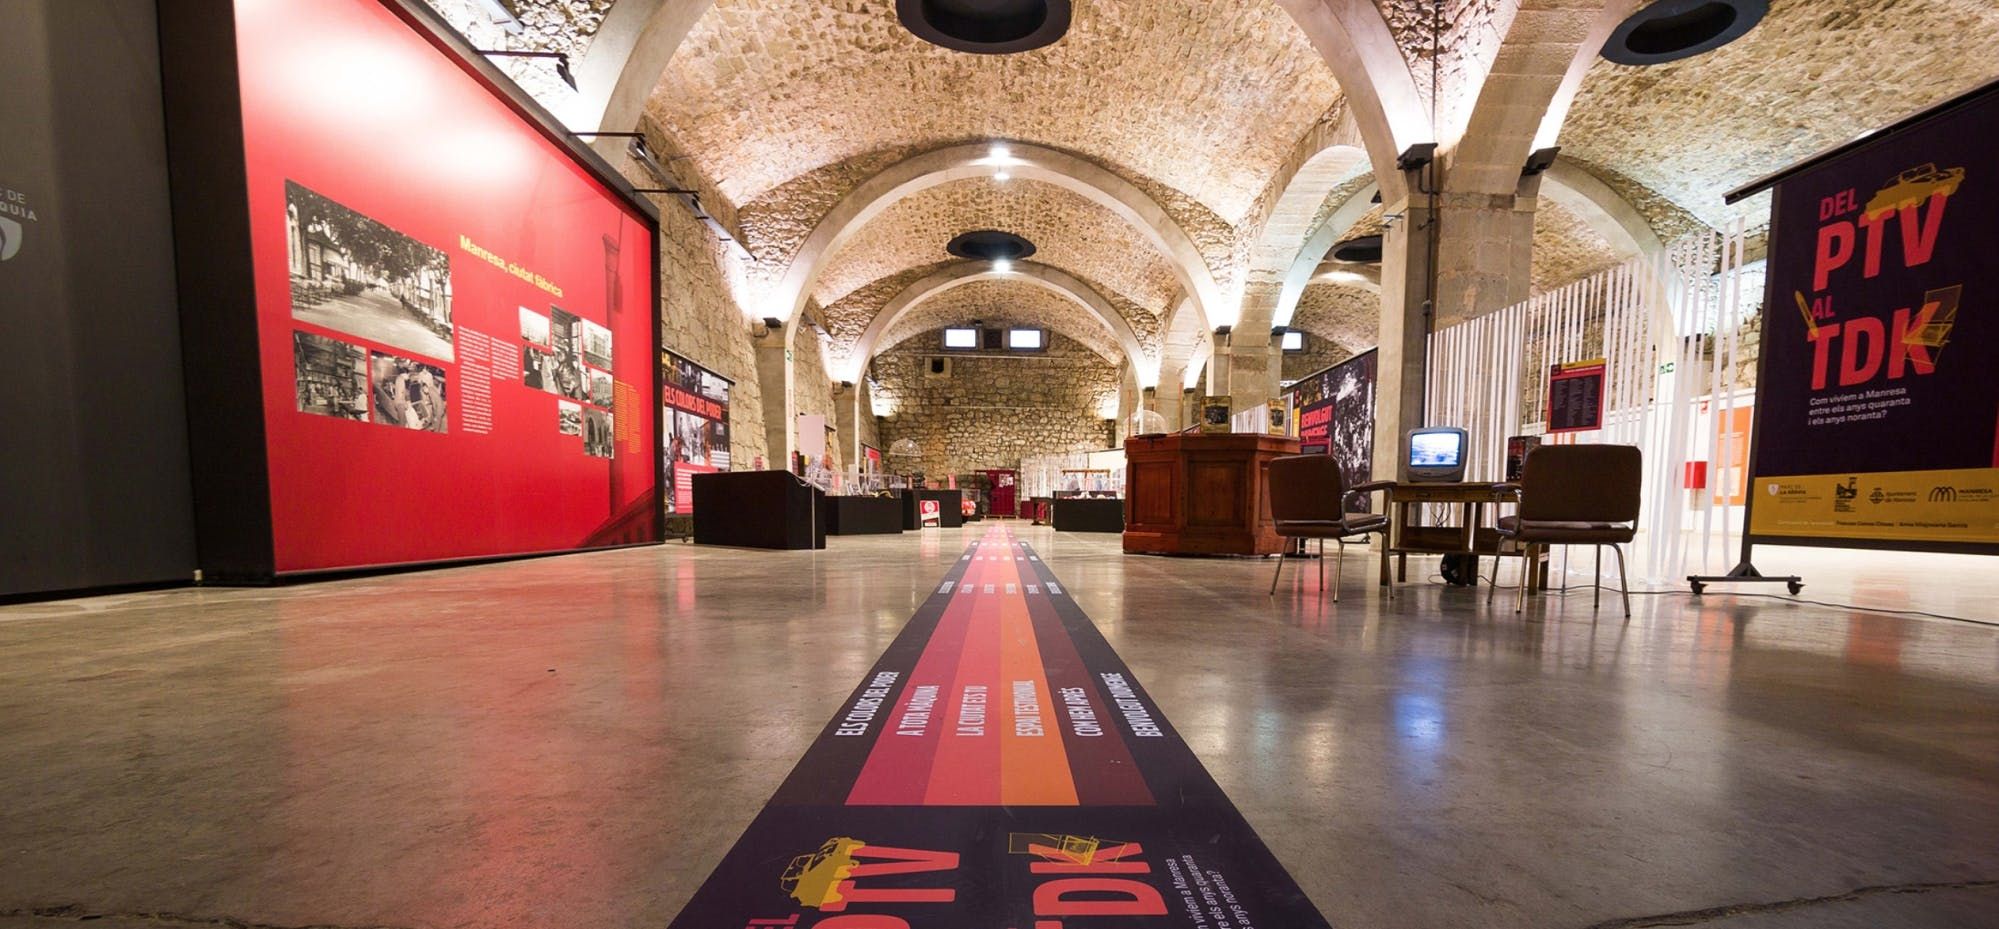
(597, 440)
(688, 441)
(600, 387)
(534, 328)
(566, 378)
(407, 393)
(569, 417)
(535, 367)
(331, 375)
(596, 344)
(356, 275)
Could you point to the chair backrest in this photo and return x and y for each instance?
(1306, 487)
(1582, 483)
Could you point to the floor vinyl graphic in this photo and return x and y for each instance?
(999, 768)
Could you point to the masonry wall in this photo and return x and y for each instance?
(1319, 354)
(993, 411)
(699, 319)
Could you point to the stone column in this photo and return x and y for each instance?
(774, 378)
(1249, 381)
(847, 415)
(1484, 251)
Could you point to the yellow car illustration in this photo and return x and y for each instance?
(814, 880)
(1914, 187)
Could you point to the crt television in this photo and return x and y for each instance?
(1436, 454)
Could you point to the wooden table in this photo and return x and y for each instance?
(1467, 537)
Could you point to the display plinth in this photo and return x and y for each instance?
(864, 515)
(1088, 514)
(758, 509)
(1189, 494)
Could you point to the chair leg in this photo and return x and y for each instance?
(1623, 584)
(1526, 565)
(1492, 588)
(1339, 561)
(1565, 569)
(1322, 568)
(1281, 553)
(1596, 583)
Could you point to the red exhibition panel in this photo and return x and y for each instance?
(454, 316)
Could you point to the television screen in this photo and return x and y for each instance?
(961, 338)
(1435, 449)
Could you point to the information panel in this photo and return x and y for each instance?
(695, 414)
(1336, 417)
(1878, 414)
(455, 318)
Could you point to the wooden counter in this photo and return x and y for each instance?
(1201, 494)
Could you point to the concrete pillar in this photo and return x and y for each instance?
(1484, 252)
(774, 377)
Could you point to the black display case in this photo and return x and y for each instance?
(759, 509)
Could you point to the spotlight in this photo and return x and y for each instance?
(1223, 331)
(999, 153)
(561, 61)
(772, 322)
(1417, 156)
(1001, 176)
(1541, 160)
(1003, 266)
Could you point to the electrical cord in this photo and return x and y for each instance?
(1491, 580)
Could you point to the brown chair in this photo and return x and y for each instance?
(1574, 495)
(1308, 500)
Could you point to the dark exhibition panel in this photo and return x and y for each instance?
(95, 471)
(865, 515)
(758, 509)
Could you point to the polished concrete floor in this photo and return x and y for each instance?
(575, 741)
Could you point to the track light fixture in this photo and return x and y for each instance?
(1417, 156)
(1541, 160)
(561, 61)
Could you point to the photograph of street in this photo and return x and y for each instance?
(354, 274)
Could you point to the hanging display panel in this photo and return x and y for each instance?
(695, 415)
(1877, 413)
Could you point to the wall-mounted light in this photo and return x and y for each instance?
(1221, 332)
(1150, 391)
(1001, 176)
(1417, 156)
(561, 61)
(772, 322)
(1003, 266)
(847, 385)
(1541, 160)
(999, 153)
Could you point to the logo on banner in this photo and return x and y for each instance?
(14, 212)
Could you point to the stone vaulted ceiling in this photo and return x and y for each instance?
(1203, 97)
(1004, 303)
(1068, 232)
(1813, 74)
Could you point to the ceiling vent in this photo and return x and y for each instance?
(986, 27)
(1670, 30)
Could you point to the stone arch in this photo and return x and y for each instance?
(1526, 91)
(1325, 158)
(1305, 262)
(1353, 38)
(624, 62)
(1143, 366)
(1604, 210)
(958, 162)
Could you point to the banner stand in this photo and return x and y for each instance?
(1896, 514)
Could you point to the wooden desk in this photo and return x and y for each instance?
(1192, 494)
(1469, 536)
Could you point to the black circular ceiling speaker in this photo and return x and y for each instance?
(1673, 29)
(986, 27)
(990, 245)
(1358, 250)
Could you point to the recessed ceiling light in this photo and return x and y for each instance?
(1673, 29)
(986, 27)
(990, 245)
(1003, 266)
(1366, 248)
(1001, 175)
(999, 154)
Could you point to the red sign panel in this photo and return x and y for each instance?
(455, 317)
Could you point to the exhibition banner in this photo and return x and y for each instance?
(999, 767)
(1336, 417)
(455, 317)
(695, 415)
(1877, 410)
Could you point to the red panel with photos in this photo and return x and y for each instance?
(455, 317)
